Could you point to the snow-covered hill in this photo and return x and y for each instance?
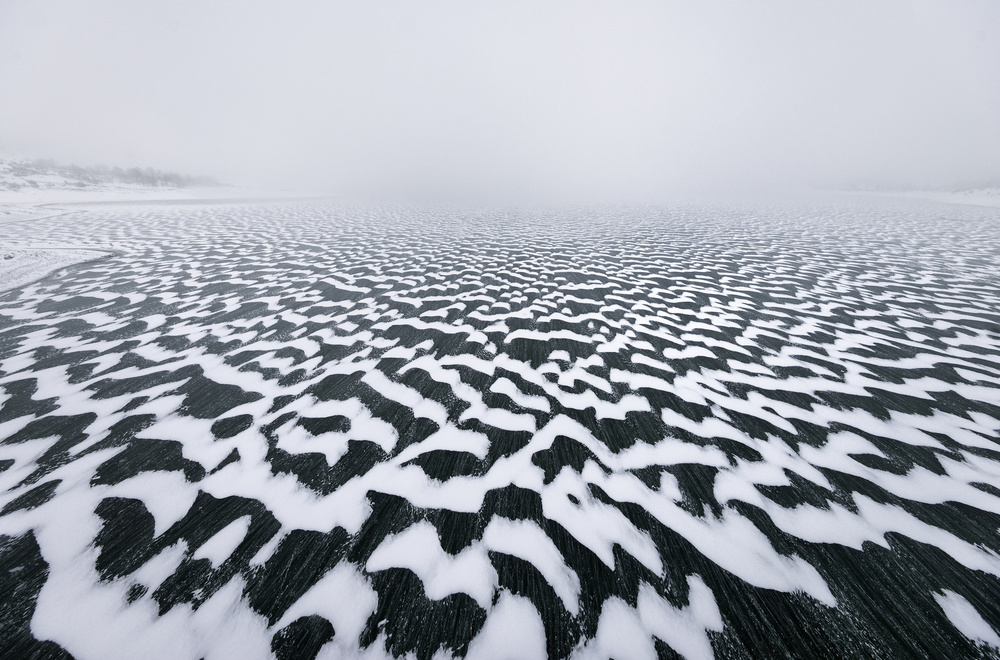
(18, 174)
(33, 182)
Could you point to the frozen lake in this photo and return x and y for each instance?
(298, 428)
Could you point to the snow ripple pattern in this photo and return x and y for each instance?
(308, 430)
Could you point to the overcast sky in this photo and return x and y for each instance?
(622, 98)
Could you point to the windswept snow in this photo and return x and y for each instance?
(308, 429)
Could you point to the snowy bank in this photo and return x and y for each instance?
(974, 197)
(20, 267)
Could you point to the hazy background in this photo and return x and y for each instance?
(613, 99)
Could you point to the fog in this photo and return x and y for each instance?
(608, 99)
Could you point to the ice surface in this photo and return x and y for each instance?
(758, 431)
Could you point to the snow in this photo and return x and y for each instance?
(218, 548)
(417, 548)
(587, 501)
(19, 267)
(513, 631)
(964, 616)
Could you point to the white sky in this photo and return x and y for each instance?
(620, 99)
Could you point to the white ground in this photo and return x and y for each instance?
(20, 267)
(976, 197)
(26, 203)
